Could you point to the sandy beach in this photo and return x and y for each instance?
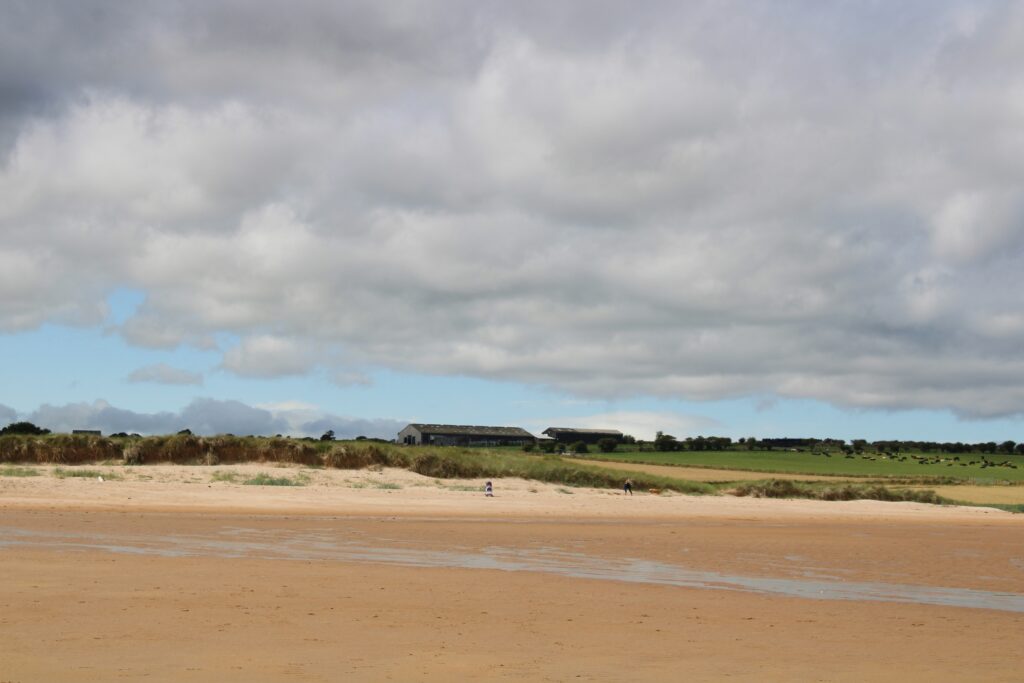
(169, 573)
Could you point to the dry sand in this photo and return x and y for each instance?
(167, 575)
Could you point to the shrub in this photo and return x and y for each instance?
(607, 445)
(579, 447)
(528, 447)
(24, 428)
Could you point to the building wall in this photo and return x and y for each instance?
(474, 440)
(410, 435)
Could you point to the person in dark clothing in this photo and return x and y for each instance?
(628, 487)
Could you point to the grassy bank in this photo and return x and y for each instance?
(782, 488)
(438, 462)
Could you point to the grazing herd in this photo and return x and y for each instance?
(954, 461)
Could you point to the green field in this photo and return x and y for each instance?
(789, 462)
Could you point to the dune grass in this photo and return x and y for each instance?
(11, 471)
(62, 473)
(263, 479)
(784, 488)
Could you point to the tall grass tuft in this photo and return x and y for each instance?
(262, 479)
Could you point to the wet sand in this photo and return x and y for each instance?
(165, 580)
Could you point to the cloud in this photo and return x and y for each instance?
(208, 416)
(268, 356)
(7, 415)
(161, 373)
(666, 200)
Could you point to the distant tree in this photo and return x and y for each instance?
(666, 442)
(1007, 446)
(628, 439)
(548, 446)
(360, 438)
(24, 428)
(328, 435)
(751, 443)
(185, 432)
(579, 447)
(607, 445)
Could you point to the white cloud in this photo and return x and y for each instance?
(161, 373)
(668, 200)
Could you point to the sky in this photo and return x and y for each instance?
(775, 218)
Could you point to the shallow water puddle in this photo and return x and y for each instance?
(235, 542)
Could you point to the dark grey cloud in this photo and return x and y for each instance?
(209, 416)
(702, 199)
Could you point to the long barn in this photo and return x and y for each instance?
(463, 435)
(572, 435)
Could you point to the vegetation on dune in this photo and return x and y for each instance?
(437, 462)
(784, 488)
(61, 473)
(18, 472)
(263, 479)
(477, 463)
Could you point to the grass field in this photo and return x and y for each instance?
(789, 462)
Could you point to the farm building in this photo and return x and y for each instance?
(570, 435)
(463, 435)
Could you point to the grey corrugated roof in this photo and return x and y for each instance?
(471, 430)
(573, 430)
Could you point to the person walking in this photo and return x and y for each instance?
(627, 488)
(488, 490)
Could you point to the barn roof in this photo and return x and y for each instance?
(471, 430)
(573, 430)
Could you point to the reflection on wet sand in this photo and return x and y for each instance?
(334, 545)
